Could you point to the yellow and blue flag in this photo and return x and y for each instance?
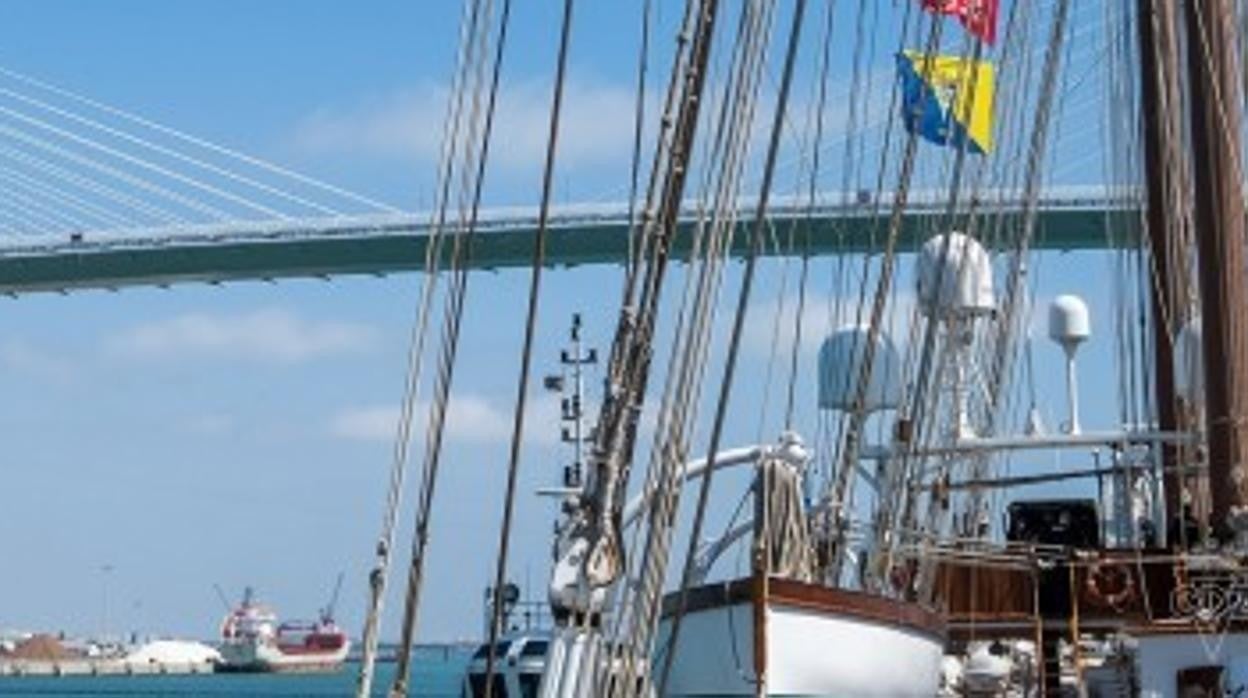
(948, 100)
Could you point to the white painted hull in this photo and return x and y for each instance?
(243, 656)
(809, 652)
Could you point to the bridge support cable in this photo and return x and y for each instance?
(140, 163)
(201, 143)
(24, 199)
(58, 197)
(126, 206)
(177, 179)
(109, 171)
(173, 154)
(31, 221)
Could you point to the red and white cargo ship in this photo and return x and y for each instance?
(252, 640)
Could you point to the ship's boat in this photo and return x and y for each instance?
(882, 647)
(253, 640)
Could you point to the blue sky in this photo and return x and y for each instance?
(241, 434)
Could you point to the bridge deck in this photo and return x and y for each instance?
(372, 245)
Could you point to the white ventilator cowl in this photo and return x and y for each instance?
(841, 361)
(963, 273)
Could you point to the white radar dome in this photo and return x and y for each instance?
(961, 268)
(1069, 321)
(1189, 362)
(841, 361)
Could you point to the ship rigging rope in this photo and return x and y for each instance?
(627, 366)
(854, 153)
(526, 352)
(974, 508)
(923, 378)
(925, 415)
(808, 172)
(857, 414)
(644, 229)
(473, 64)
(639, 124)
(734, 342)
(1033, 179)
(834, 436)
(1005, 347)
(722, 173)
(820, 105)
(687, 367)
(632, 350)
(452, 126)
(474, 182)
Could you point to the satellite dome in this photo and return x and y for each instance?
(841, 360)
(1069, 321)
(963, 273)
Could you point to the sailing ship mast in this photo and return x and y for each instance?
(1216, 119)
(1158, 76)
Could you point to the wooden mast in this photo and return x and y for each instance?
(1158, 73)
(1220, 230)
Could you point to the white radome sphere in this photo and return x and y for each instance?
(1070, 324)
(964, 276)
(841, 360)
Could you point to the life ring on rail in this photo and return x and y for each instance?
(1109, 586)
(901, 576)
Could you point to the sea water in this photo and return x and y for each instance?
(432, 676)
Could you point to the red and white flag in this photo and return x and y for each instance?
(978, 16)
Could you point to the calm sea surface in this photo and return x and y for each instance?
(435, 677)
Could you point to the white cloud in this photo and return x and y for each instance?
(596, 126)
(268, 334)
(470, 419)
(365, 423)
(19, 356)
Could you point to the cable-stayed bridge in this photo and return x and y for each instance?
(92, 196)
(387, 243)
